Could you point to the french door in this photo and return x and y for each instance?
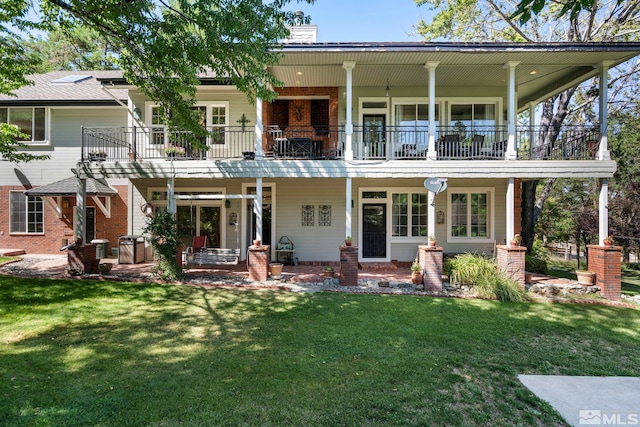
(374, 135)
(199, 221)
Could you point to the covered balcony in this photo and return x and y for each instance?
(120, 144)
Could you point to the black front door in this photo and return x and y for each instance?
(374, 231)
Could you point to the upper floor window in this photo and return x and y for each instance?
(473, 116)
(30, 120)
(26, 213)
(214, 117)
(412, 123)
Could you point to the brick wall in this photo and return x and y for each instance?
(348, 265)
(605, 262)
(511, 261)
(56, 229)
(259, 262)
(300, 111)
(430, 259)
(517, 226)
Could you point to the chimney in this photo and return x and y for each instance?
(301, 32)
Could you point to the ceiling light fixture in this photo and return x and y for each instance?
(387, 88)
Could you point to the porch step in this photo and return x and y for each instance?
(377, 266)
(11, 252)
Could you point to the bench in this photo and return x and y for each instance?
(214, 256)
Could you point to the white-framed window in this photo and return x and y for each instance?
(214, 116)
(470, 214)
(31, 121)
(26, 213)
(409, 214)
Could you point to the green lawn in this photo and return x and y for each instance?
(113, 354)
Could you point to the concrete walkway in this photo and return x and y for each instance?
(594, 401)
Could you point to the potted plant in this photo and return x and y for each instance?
(348, 241)
(416, 272)
(432, 240)
(97, 155)
(515, 241)
(328, 271)
(174, 151)
(585, 277)
(608, 241)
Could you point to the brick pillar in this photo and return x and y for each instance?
(430, 258)
(348, 265)
(511, 261)
(605, 262)
(82, 259)
(258, 262)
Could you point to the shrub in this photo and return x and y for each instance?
(483, 276)
(536, 265)
(164, 238)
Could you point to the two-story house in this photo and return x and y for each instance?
(385, 142)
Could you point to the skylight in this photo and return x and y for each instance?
(72, 79)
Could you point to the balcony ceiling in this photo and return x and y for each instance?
(543, 70)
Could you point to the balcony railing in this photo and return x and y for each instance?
(390, 143)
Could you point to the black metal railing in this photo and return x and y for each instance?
(324, 142)
(570, 143)
(159, 142)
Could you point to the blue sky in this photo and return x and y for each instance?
(364, 21)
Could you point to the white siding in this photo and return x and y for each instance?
(64, 150)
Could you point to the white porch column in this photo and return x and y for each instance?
(348, 129)
(257, 208)
(603, 211)
(510, 210)
(431, 214)
(432, 153)
(348, 198)
(603, 150)
(171, 195)
(81, 208)
(259, 128)
(511, 153)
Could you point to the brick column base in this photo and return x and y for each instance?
(348, 265)
(430, 258)
(82, 260)
(605, 262)
(259, 262)
(511, 261)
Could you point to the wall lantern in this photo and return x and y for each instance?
(233, 218)
(440, 217)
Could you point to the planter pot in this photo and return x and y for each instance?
(348, 242)
(105, 267)
(585, 277)
(514, 243)
(328, 273)
(433, 243)
(416, 278)
(257, 242)
(275, 270)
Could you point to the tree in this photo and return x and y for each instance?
(493, 20)
(161, 46)
(77, 48)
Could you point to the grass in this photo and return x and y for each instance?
(80, 353)
(7, 258)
